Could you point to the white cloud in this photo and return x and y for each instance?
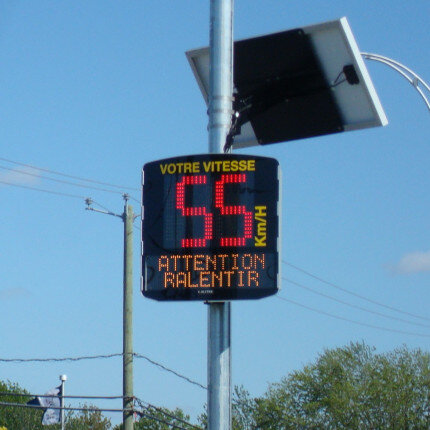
(21, 176)
(414, 262)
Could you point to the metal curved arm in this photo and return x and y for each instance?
(416, 81)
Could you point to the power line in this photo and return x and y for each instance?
(94, 357)
(159, 365)
(151, 417)
(101, 206)
(138, 201)
(65, 397)
(45, 360)
(66, 408)
(352, 305)
(74, 184)
(354, 294)
(69, 176)
(140, 403)
(349, 320)
(58, 193)
(95, 409)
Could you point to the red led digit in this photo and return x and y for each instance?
(233, 210)
(194, 211)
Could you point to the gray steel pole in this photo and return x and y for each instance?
(220, 114)
(63, 379)
(221, 73)
(128, 218)
(219, 366)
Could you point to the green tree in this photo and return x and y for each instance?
(346, 388)
(18, 418)
(243, 411)
(154, 418)
(87, 420)
(26, 418)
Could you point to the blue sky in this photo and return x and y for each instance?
(97, 89)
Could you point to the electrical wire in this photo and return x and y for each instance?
(103, 207)
(352, 305)
(65, 408)
(159, 365)
(121, 410)
(338, 81)
(54, 172)
(94, 357)
(151, 417)
(45, 360)
(94, 409)
(140, 403)
(349, 320)
(132, 198)
(60, 181)
(58, 193)
(354, 294)
(64, 397)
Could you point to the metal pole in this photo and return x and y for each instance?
(220, 114)
(221, 73)
(63, 379)
(128, 218)
(219, 366)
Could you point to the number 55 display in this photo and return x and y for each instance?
(210, 227)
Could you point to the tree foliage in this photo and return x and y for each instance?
(14, 417)
(87, 419)
(27, 418)
(350, 388)
(345, 388)
(154, 418)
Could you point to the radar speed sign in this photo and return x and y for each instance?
(210, 227)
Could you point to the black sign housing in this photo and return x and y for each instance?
(210, 227)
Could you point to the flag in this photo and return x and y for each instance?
(50, 416)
